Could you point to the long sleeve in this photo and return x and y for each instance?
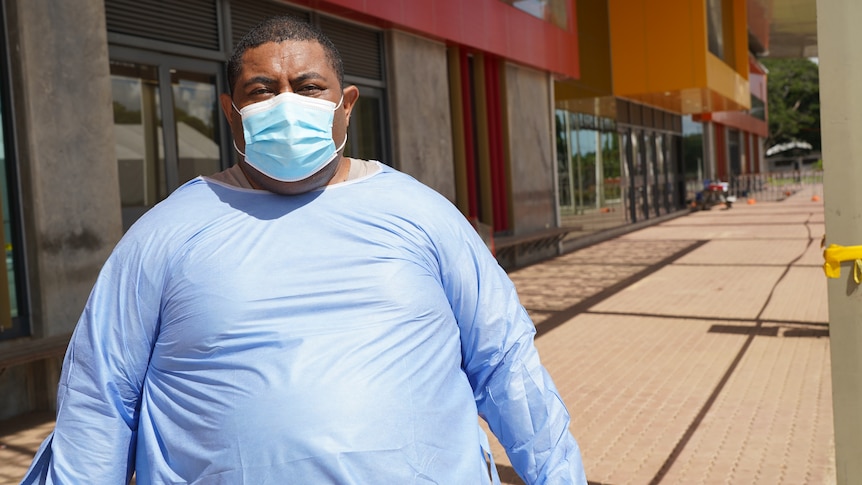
(513, 391)
(100, 384)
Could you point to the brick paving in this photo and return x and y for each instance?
(702, 356)
(691, 352)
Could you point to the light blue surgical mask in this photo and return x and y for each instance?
(289, 136)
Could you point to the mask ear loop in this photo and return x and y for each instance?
(345, 131)
(232, 140)
(237, 148)
(341, 146)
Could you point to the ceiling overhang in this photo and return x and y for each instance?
(792, 28)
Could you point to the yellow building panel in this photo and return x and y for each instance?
(728, 84)
(675, 42)
(660, 54)
(628, 48)
(740, 37)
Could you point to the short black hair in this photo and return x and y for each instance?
(279, 29)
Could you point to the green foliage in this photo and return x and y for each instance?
(794, 101)
(692, 153)
(124, 116)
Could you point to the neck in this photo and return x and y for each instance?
(342, 173)
(249, 179)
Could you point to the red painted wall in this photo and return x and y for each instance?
(737, 119)
(487, 25)
(721, 153)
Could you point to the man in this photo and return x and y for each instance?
(302, 317)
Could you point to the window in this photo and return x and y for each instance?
(12, 308)
(715, 27)
(758, 108)
(554, 11)
(692, 146)
(364, 132)
(8, 293)
(589, 171)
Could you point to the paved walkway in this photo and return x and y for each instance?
(691, 352)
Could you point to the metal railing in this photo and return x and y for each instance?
(766, 187)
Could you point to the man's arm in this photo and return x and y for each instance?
(100, 385)
(513, 391)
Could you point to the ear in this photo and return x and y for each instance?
(351, 95)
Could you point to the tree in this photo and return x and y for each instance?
(794, 101)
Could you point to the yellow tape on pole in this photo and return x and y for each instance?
(834, 255)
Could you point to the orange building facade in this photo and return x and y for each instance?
(672, 95)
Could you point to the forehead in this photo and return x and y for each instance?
(288, 57)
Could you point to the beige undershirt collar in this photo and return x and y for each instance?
(235, 176)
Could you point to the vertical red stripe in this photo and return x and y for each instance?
(501, 158)
(492, 146)
(751, 140)
(470, 158)
(495, 141)
(720, 153)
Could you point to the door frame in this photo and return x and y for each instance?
(165, 63)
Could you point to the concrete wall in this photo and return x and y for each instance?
(421, 123)
(63, 114)
(533, 163)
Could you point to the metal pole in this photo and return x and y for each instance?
(841, 121)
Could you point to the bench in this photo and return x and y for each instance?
(33, 350)
(525, 243)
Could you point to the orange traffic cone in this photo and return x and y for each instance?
(751, 201)
(815, 198)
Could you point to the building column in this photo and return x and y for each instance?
(709, 156)
(61, 88)
(66, 162)
(841, 120)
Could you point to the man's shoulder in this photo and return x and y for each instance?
(189, 207)
(406, 185)
(400, 195)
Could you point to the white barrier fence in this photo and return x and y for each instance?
(765, 187)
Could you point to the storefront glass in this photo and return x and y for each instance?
(692, 156)
(589, 172)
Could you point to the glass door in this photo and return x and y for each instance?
(651, 197)
(662, 190)
(167, 124)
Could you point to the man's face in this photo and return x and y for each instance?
(299, 67)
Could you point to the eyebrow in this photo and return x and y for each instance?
(259, 80)
(307, 76)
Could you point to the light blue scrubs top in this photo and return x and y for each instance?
(349, 335)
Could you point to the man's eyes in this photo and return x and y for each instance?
(307, 90)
